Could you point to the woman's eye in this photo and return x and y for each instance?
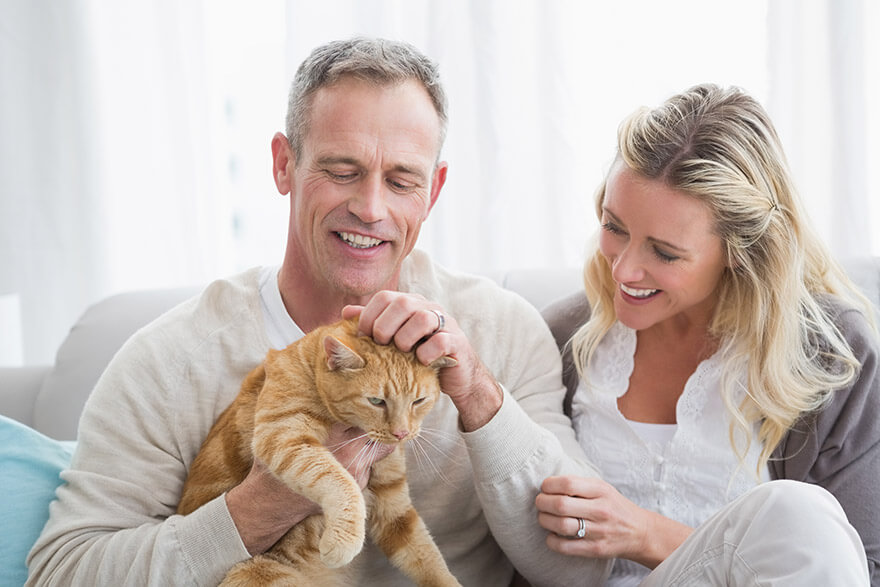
(376, 401)
(612, 228)
(666, 258)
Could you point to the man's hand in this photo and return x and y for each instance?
(264, 508)
(411, 322)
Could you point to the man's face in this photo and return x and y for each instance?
(364, 184)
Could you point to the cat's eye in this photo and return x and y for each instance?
(376, 401)
(418, 401)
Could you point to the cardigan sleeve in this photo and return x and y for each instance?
(838, 446)
(564, 317)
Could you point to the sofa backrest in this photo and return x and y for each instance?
(87, 350)
(104, 326)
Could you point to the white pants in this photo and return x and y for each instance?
(780, 533)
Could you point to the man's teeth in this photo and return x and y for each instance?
(638, 293)
(359, 241)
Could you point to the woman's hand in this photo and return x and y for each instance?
(615, 527)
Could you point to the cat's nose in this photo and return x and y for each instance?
(400, 434)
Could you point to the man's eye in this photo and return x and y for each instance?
(341, 177)
(400, 186)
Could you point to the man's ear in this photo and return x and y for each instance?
(437, 181)
(283, 163)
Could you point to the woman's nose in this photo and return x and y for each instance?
(627, 266)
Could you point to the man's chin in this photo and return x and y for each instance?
(361, 286)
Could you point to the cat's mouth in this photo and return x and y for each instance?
(384, 440)
(359, 241)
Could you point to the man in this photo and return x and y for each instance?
(366, 122)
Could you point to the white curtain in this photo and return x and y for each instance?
(536, 90)
(51, 245)
(134, 136)
(824, 79)
(107, 164)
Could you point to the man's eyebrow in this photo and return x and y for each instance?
(650, 238)
(408, 170)
(337, 160)
(414, 171)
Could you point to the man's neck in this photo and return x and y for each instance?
(310, 305)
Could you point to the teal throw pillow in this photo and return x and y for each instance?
(30, 464)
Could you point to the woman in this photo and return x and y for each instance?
(719, 350)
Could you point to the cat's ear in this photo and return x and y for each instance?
(340, 356)
(443, 362)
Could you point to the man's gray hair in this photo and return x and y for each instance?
(379, 61)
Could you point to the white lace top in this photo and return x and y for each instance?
(686, 472)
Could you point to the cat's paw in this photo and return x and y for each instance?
(338, 553)
(344, 533)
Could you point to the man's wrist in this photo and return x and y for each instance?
(479, 407)
(260, 526)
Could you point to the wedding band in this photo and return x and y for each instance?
(441, 321)
(582, 528)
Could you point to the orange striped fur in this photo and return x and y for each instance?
(283, 414)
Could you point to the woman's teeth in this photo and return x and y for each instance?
(638, 293)
(359, 241)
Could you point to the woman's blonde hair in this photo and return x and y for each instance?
(719, 146)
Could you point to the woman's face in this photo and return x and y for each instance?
(665, 256)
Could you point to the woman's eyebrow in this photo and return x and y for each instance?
(652, 239)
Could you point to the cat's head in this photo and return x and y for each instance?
(378, 388)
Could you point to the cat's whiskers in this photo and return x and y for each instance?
(364, 458)
(364, 455)
(423, 458)
(445, 435)
(342, 445)
(444, 443)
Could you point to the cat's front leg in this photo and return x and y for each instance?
(295, 453)
(399, 531)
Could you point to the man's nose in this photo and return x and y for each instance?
(369, 203)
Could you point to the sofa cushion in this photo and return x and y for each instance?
(30, 464)
(91, 343)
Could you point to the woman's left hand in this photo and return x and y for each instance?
(614, 526)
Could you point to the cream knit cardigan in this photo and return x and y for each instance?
(114, 522)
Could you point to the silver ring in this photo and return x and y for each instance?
(441, 321)
(582, 528)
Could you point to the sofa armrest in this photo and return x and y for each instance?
(19, 387)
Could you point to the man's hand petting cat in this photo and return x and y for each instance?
(411, 322)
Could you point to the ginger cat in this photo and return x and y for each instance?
(283, 414)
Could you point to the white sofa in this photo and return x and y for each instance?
(49, 398)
